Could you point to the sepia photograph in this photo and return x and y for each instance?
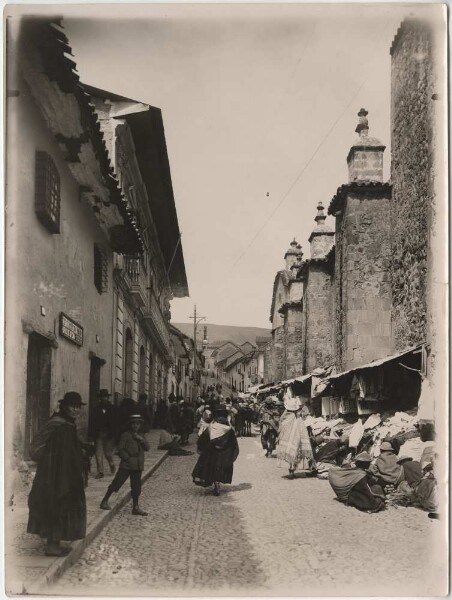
(226, 309)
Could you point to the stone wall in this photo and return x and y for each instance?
(363, 289)
(293, 341)
(412, 99)
(319, 308)
(279, 354)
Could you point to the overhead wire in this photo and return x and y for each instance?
(300, 174)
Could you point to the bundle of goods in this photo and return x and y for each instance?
(397, 429)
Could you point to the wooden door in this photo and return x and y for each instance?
(39, 361)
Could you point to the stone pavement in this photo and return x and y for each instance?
(28, 569)
(264, 535)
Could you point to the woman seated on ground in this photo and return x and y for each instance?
(218, 450)
(171, 441)
(355, 487)
(385, 468)
(330, 453)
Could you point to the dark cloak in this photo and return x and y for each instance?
(216, 460)
(57, 499)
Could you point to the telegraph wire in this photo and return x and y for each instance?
(298, 177)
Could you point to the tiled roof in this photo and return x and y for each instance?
(48, 37)
(372, 189)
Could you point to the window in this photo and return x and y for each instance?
(128, 364)
(47, 192)
(100, 268)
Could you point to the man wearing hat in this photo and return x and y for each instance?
(385, 468)
(103, 430)
(131, 450)
(57, 499)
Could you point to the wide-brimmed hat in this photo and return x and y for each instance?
(293, 403)
(103, 392)
(363, 457)
(71, 399)
(386, 447)
(402, 459)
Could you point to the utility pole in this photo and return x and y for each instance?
(196, 320)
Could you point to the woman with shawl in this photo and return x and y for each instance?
(355, 487)
(57, 499)
(294, 445)
(218, 450)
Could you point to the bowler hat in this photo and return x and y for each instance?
(71, 399)
(363, 457)
(402, 459)
(386, 447)
(103, 392)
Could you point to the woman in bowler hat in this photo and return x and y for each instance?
(57, 499)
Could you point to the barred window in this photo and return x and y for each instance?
(47, 192)
(100, 268)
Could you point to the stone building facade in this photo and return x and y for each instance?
(377, 284)
(318, 296)
(413, 96)
(284, 353)
(362, 255)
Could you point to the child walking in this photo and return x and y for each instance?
(131, 450)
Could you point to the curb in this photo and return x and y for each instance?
(61, 565)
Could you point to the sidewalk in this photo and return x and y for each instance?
(28, 569)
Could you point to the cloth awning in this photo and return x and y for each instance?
(275, 387)
(376, 363)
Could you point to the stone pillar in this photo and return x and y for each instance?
(363, 256)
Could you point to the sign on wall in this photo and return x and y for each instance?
(71, 330)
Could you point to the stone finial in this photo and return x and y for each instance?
(362, 129)
(320, 217)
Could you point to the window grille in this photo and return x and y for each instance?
(47, 192)
(100, 268)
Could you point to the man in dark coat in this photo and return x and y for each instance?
(57, 499)
(103, 428)
(174, 415)
(219, 450)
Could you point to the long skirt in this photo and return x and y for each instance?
(294, 445)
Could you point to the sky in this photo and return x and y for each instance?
(260, 106)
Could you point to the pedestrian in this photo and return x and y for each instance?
(294, 445)
(57, 499)
(161, 414)
(131, 450)
(218, 449)
(174, 414)
(104, 422)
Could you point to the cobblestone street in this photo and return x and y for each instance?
(264, 534)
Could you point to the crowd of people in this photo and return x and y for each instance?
(363, 462)
(366, 471)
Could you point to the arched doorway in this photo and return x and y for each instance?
(128, 363)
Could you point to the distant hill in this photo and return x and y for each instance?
(228, 333)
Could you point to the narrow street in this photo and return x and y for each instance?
(264, 534)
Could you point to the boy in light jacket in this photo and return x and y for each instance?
(131, 450)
